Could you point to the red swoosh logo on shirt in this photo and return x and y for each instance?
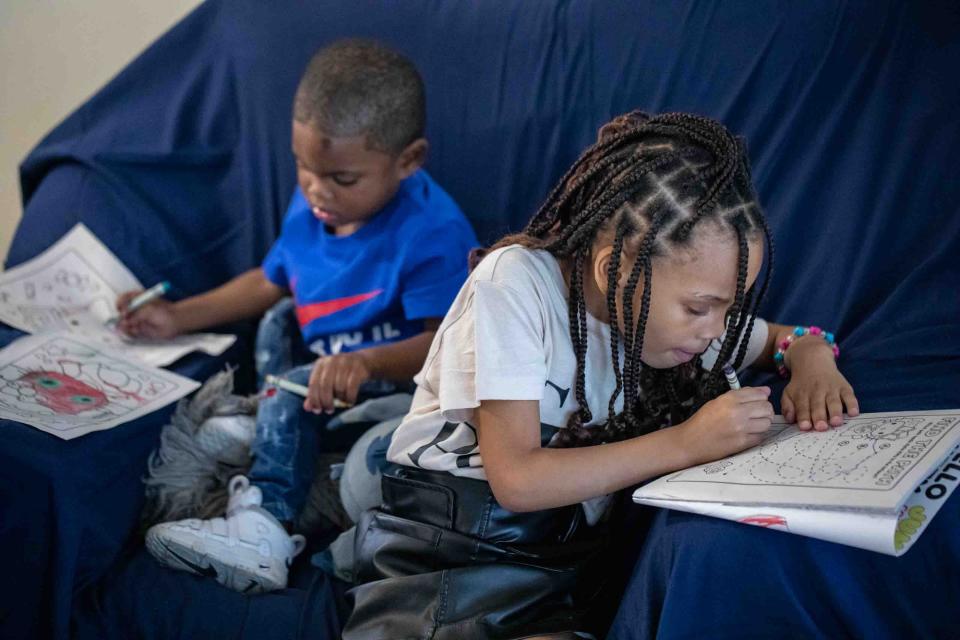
(310, 312)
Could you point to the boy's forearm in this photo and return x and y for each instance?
(246, 296)
(401, 360)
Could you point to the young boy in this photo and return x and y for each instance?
(373, 253)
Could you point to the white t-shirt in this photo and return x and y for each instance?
(507, 337)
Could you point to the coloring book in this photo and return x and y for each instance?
(875, 482)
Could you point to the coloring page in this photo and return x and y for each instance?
(873, 461)
(73, 286)
(76, 281)
(67, 386)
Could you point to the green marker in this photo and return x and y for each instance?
(151, 294)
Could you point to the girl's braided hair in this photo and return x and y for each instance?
(647, 183)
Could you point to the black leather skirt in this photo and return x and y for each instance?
(441, 559)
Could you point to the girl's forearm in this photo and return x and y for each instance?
(526, 477)
(573, 475)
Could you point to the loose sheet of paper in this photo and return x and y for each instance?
(74, 286)
(160, 353)
(68, 386)
(872, 462)
(75, 281)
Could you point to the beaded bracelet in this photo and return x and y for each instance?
(799, 332)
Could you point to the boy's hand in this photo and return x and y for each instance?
(153, 320)
(817, 392)
(338, 376)
(727, 424)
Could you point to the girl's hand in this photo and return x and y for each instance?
(727, 424)
(154, 320)
(338, 376)
(817, 392)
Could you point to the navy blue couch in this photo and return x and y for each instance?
(182, 166)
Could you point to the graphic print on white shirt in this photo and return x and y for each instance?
(507, 337)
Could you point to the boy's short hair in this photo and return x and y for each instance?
(359, 87)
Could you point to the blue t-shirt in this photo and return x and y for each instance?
(376, 285)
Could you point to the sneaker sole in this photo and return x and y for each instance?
(238, 577)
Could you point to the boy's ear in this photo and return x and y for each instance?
(413, 156)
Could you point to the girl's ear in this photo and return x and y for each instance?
(601, 262)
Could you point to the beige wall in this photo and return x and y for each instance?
(53, 55)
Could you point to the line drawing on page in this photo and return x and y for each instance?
(66, 386)
(73, 283)
(73, 286)
(868, 455)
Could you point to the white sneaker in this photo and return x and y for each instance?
(248, 551)
(227, 438)
(242, 495)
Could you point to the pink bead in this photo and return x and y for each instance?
(836, 351)
(816, 331)
(784, 344)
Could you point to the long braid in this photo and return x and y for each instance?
(742, 352)
(745, 182)
(736, 311)
(634, 347)
(635, 362)
(630, 372)
(586, 415)
(613, 276)
(578, 334)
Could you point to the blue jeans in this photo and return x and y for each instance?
(289, 440)
(280, 346)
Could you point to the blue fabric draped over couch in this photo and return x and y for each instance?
(182, 166)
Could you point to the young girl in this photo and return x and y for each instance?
(551, 380)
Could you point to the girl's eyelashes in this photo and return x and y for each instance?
(697, 312)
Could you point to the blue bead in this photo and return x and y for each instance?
(799, 331)
(778, 356)
(829, 337)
